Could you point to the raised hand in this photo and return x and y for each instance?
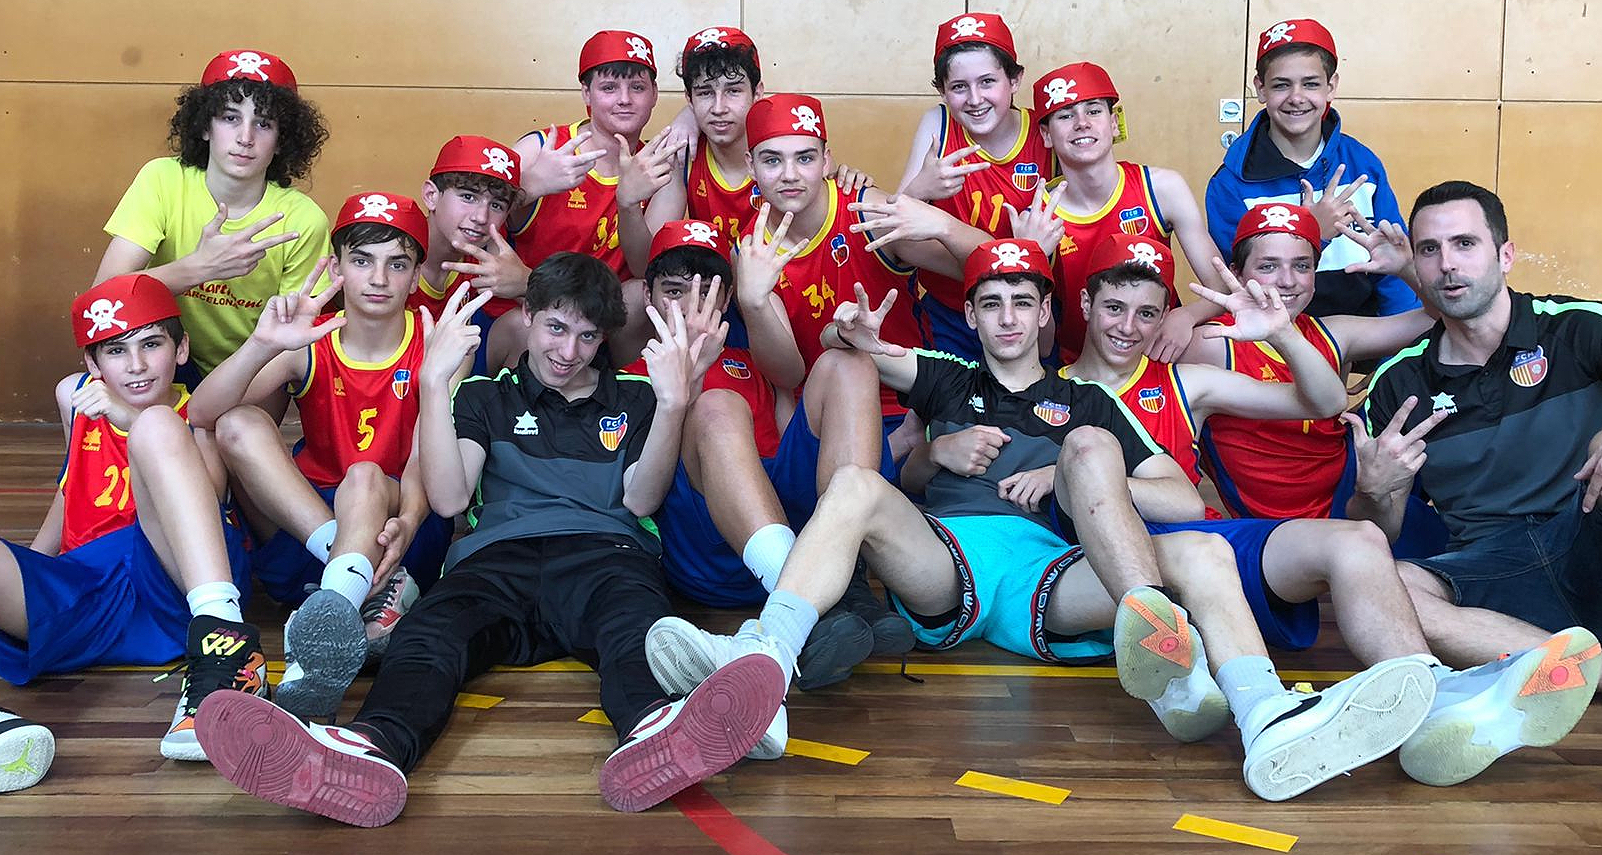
(643, 173)
(1027, 489)
(226, 256)
(556, 168)
(1390, 253)
(1039, 221)
(1259, 312)
(93, 400)
(703, 319)
(969, 451)
(851, 180)
(942, 177)
(451, 340)
(898, 218)
(495, 268)
(288, 322)
(757, 268)
(671, 357)
(1335, 206)
(1387, 463)
(859, 323)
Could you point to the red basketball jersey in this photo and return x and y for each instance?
(1011, 179)
(583, 219)
(1276, 469)
(1132, 209)
(98, 499)
(435, 299)
(353, 411)
(1156, 395)
(821, 275)
(736, 371)
(710, 197)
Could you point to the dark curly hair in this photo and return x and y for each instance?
(730, 62)
(301, 129)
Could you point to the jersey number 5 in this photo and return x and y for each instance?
(364, 428)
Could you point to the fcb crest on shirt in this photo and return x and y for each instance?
(838, 250)
(756, 197)
(1529, 367)
(1025, 176)
(1133, 220)
(401, 383)
(737, 369)
(1052, 413)
(1151, 399)
(612, 430)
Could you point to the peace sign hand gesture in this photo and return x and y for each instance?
(703, 319)
(1387, 463)
(557, 168)
(672, 358)
(859, 323)
(643, 173)
(1335, 205)
(1260, 313)
(759, 264)
(226, 256)
(495, 268)
(1038, 221)
(1390, 253)
(288, 322)
(451, 340)
(942, 177)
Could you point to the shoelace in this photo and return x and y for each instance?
(386, 596)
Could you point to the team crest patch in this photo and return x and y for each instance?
(1152, 399)
(756, 197)
(737, 369)
(1052, 413)
(838, 250)
(1529, 367)
(1133, 220)
(401, 383)
(612, 430)
(1025, 176)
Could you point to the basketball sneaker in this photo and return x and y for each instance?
(384, 608)
(1536, 700)
(335, 772)
(681, 655)
(1161, 661)
(222, 654)
(26, 750)
(686, 741)
(1298, 742)
(892, 633)
(326, 638)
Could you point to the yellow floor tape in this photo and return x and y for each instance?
(1013, 787)
(1243, 834)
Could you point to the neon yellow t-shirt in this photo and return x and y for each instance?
(165, 210)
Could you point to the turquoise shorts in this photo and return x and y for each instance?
(1008, 567)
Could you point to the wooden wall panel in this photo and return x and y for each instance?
(1551, 208)
(364, 42)
(1402, 49)
(884, 47)
(1554, 51)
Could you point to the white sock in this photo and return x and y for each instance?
(1246, 682)
(766, 551)
(215, 599)
(351, 575)
(322, 540)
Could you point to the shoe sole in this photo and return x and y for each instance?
(1375, 717)
(677, 660)
(26, 752)
(1145, 672)
(724, 718)
(839, 642)
(266, 752)
(330, 643)
(1531, 705)
(186, 750)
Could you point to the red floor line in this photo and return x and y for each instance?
(725, 829)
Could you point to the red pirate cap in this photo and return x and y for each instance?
(712, 38)
(981, 27)
(248, 65)
(616, 46)
(1074, 82)
(1280, 218)
(387, 209)
(785, 115)
(696, 233)
(119, 305)
(1298, 31)
(1008, 255)
(480, 155)
(1122, 249)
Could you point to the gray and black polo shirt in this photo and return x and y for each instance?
(951, 394)
(1517, 427)
(552, 466)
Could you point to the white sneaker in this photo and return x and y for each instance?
(26, 751)
(335, 772)
(1356, 721)
(687, 741)
(1537, 700)
(681, 655)
(1161, 660)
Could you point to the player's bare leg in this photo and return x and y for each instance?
(1462, 636)
(282, 498)
(719, 430)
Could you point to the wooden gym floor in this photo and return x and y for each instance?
(878, 771)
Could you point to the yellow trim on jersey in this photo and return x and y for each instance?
(833, 193)
(1149, 193)
(183, 398)
(1140, 371)
(1068, 216)
(388, 361)
(450, 281)
(311, 371)
(1184, 407)
(1024, 129)
(712, 167)
(573, 131)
